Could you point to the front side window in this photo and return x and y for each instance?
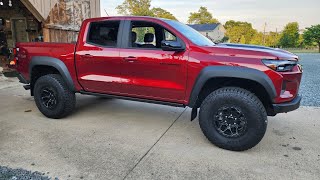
(104, 33)
(144, 36)
(148, 35)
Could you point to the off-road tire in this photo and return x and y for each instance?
(252, 108)
(65, 98)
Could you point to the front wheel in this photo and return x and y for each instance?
(52, 96)
(233, 118)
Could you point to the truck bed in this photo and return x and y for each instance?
(63, 51)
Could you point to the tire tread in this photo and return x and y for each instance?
(69, 99)
(238, 92)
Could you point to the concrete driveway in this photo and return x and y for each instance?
(116, 139)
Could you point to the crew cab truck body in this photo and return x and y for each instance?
(166, 62)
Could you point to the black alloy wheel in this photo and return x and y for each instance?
(230, 122)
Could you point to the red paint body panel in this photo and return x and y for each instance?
(62, 51)
(154, 74)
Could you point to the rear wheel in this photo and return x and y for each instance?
(52, 96)
(233, 118)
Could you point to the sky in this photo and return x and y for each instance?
(275, 13)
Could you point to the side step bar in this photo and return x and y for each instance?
(134, 99)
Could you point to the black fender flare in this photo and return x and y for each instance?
(52, 62)
(233, 72)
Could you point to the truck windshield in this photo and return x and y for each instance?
(193, 35)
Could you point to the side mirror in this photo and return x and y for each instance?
(172, 46)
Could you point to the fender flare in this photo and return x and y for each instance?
(52, 62)
(232, 72)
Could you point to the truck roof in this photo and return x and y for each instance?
(124, 17)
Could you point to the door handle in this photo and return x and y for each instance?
(130, 59)
(169, 64)
(86, 56)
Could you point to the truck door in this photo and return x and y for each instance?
(150, 72)
(97, 57)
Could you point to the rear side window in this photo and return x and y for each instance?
(104, 33)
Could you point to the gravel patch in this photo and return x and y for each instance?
(7, 173)
(310, 85)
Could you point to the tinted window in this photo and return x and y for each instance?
(148, 35)
(104, 33)
(141, 33)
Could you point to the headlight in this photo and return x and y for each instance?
(280, 65)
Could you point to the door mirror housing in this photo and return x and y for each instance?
(172, 46)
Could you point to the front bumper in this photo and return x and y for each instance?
(288, 106)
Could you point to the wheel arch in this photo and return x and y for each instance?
(55, 65)
(220, 72)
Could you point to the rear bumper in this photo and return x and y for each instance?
(288, 106)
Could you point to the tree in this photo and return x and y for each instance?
(312, 35)
(142, 8)
(290, 35)
(257, 39)
(203, 16)
(161, 13)
(242, 40)
(236, 29)
(135, 8)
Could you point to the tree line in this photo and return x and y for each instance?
(236, 31)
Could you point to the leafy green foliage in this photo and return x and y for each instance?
(161, 13)
(290, 35)
(239, 32)
(312, 35)
(135, 8)
(143, 8)
(242, 40)
(203, 16)
(270, 39)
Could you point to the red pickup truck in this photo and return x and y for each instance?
(166, 62)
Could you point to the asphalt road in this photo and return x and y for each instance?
(116, 139)
(310, 85)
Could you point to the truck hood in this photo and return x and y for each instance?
(251, 51)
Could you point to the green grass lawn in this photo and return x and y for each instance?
(297, 50)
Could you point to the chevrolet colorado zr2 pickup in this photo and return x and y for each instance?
(234, 86)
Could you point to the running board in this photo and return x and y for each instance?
(133, 99)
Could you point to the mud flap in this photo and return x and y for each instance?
(194, 113)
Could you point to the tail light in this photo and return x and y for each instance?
(15, 51)
(13, 62)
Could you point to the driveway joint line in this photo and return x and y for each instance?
(154, 145)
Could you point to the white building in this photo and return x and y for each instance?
(215, 32)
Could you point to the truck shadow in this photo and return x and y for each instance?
(97, 107)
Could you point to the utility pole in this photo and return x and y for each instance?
(264, 33)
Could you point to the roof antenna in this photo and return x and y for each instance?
(106, 12)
